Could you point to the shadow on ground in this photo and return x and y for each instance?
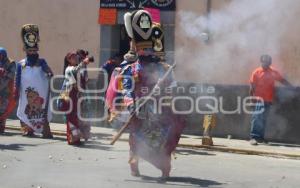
(184, 151)
(16, 133)
(9, 134)
(15, 147)
(101, 135)
(179, 181)
(193, 181)
(95, 145)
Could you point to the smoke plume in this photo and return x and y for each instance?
(239, 34)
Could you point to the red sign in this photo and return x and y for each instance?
(107, 16)
(155, 13)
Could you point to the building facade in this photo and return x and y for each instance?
(216, 43)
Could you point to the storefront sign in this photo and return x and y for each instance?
(107, 16)
(137, 4)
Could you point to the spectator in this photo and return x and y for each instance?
(262, 85)
(76, 129)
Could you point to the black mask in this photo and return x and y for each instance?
(32, 58)
(151, 59)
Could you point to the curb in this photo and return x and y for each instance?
(243, 151)
(199, 146)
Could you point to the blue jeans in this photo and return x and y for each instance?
(259, 120)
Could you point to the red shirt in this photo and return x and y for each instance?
(264, 82)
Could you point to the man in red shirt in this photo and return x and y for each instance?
(262, 85)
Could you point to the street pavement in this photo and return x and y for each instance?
(280, 150)
(35, 162)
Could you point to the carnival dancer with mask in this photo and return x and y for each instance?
(32, 86)
(155, 131)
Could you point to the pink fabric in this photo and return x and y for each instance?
(111, 92)
(155, 13)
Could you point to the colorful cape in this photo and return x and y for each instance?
(11, 103)
(153, 135)
(7, 100)
(113, 89)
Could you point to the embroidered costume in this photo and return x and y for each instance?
(32, 86)
(155, 131)
(7, 74)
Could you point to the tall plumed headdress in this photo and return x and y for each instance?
(139, 28)
(30, 36)
(144, 33)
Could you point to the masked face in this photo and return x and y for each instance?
(145, 22)
(32, 56)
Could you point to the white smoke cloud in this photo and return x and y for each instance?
(238, 34)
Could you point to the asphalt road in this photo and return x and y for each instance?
(35, 162)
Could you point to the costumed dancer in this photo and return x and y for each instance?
(7, 75)
(76, 129)
(32, 86)
(113, 97)
(154, 135)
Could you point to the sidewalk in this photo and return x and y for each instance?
(220, 144)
